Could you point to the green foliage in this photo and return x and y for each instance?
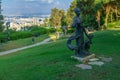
(20, 35)
(110, 10)
(88, 12)
(2, 35)
(43, 30)
(25, 34)
(1, 23)
(114, 24)
(51, 30)
(70, 30)
(56, 17)
(63, 20)
(98, 13)
(70, 13)
(40, 30)
(47, 22)
(94, 13)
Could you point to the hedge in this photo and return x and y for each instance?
(37, 31)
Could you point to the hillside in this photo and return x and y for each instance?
(52, 61)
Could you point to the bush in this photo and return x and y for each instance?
(2, 37)
(20, 35)
(114, 24)
(40, 30)
(51, 30)
(70, 30)
(35, 31)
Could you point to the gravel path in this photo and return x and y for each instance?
(26, 47)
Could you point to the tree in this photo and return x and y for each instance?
(1, 23)
(88, 13)
(56, 19)
(97, 13)
(109, 11)
(70, 13)
(46, 22)
(62, 17)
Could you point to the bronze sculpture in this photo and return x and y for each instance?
(82, 46)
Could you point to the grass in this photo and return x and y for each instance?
(21, 42)
(114, 24)
(52, 61)
(106, 42)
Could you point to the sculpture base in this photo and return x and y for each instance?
(80, 59)
(91, 60)
(83, 59)
(82, 55)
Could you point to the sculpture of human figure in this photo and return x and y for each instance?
(79, 34)
(33, 39)
(64, 29)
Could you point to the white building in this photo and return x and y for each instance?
(18, 23)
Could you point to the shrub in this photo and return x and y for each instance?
(51, 30)
(35, 31)
(20, 35)
(2, 37)
(70, 30)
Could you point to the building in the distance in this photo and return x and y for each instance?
(18, 23)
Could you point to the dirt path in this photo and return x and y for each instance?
(26, 47)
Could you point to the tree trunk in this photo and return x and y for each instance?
(111, 17)
(98, 19)
(99, 27)
(107, 14)
(57, 34)
(116, 13)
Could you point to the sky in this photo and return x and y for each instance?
(26, 7)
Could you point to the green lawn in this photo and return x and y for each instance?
(21, 42)
(52, 61)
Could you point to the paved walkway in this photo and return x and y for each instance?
(26, 47)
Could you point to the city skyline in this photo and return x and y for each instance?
(32, 7)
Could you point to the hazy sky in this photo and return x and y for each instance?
(16, 7)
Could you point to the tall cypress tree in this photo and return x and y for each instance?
(1, 19)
